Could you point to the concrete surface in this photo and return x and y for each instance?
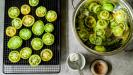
(120, 64)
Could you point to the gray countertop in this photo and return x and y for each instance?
(122, 63)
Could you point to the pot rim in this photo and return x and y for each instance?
(128, 7)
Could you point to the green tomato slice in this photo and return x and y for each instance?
(41, 11)
(102, 24)
(37, 44)
(90, 22)
(28, 20)
(120, 16)
(91, 6)
(14, 42)
(10, 31)
(108, 7)
(49, 27)
(96, 40)
(13, 12)
(96, 8)
(25, 34)
(25, 9)
(25, 53)
(100, 48)
(14, 56)
(104, 15)
(48, 39)
(38, 27)
(17, 23)
(34, 60)
(84, 35)
(33, 2)
(46, 55)
(51, 16)
(117, 31)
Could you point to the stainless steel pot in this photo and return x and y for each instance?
(130, 13)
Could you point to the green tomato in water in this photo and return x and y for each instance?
(38, 27)
(100, 48)
(14, 42)
(34, 60)
(120, 16)
(102, 24)
(37, 43)
(48, 39)
(49, 27)
(96, 40)
(25, 34)
(33, 2)
(41, 11)
(14, 56)
(25, 53)
(17, 23)
(108, 7)
(13, 12)
(104, 15)
(51, 16)
(117, 31)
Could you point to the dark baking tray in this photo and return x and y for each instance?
(50, 5)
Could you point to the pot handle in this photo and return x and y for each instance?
(72, 1)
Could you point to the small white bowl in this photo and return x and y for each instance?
(81, 60)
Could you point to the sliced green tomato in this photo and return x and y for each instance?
(33, 2)
(99, 32)
(34, 60)
(96, 8)
(108, 7)
(28, 20)
(46, 55)
(37, 44)
(48, 39)
(104, 15)
(49, 27)
(117, 31)
(25, 34)
(91, 6)
(120, 16)
(14, 42)
(84, 35)
(10, 31)
(25, 9)
(102, 24)
(13, 12)
(51, 16)
(100, 48)
(113, 24)
(17, 23)
(38, 27)
(14, 56)
(25, 53)
(41, 11)
(96, 40)
(90, 22)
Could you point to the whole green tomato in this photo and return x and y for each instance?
(25, 34)
(14, 42)
(38, 27)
